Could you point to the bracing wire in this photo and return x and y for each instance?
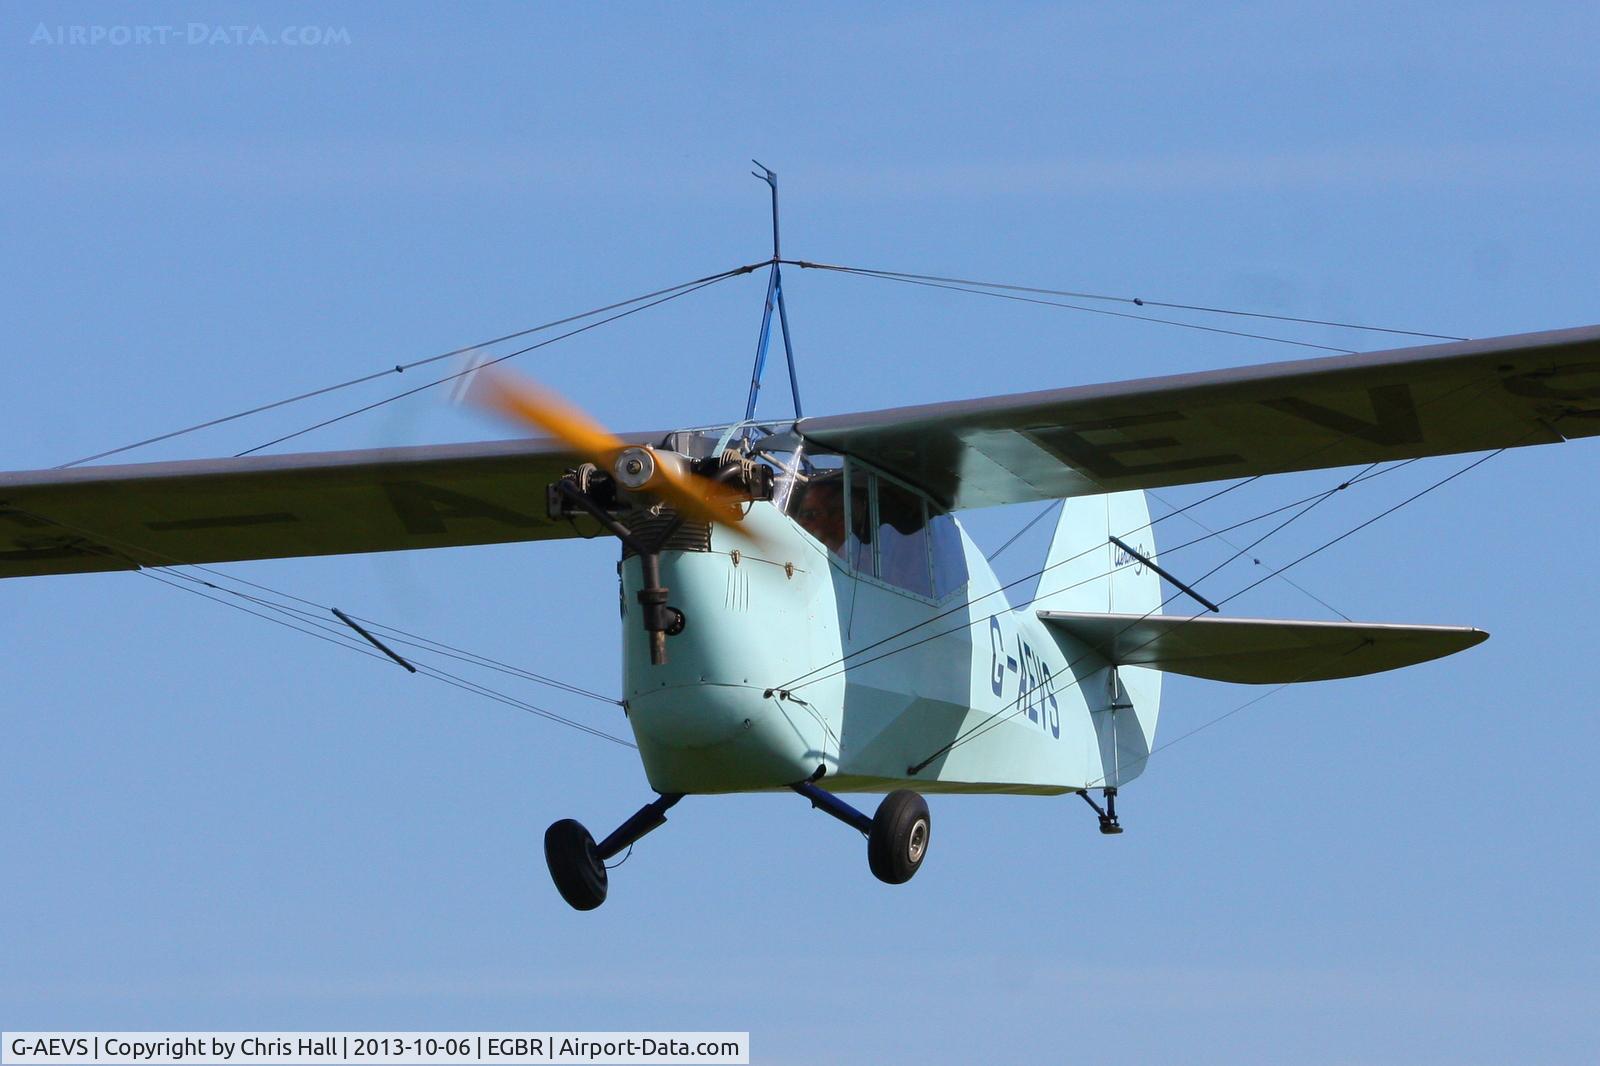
(1048, 509)
(1288, 580)
(310, 627)
(1016, 706)
(998, 718)
(1246, 705)
(477, 659)
(798, 681)
(1239, 553)
(1092, 310)
(1311, 501)
(303, 621)
(1456, 392)
(1383, 514)
(805, 679)
(154, 575)
(313, 625)
(406, 637)
(474, 368)
(1134, 300)
(419, 642)
(402, 367)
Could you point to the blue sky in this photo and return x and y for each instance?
(211, 822)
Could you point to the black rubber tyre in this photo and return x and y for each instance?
(899, 838)
(580, 877)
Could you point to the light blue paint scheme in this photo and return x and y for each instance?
(1074, 579)
(769, 603)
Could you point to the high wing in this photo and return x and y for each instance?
(1260, 651)
(1531, 388)
(263, 507)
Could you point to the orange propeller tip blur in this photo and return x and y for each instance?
(530, 403)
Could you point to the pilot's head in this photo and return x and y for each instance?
(821, 510)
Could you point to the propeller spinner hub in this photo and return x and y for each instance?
(634, 468)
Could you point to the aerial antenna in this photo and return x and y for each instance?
(774, 299)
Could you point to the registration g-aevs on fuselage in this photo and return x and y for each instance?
(801, 608)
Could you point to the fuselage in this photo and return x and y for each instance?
(793, 660)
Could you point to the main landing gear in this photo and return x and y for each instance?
(897, 836)
(578, 865)
(897, 841)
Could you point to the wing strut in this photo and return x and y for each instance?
(1207, 604)
(374, 641)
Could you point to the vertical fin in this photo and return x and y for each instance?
(1086, 572)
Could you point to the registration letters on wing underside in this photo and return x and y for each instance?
(1531, 388)
(155, 514)
(1534, 388)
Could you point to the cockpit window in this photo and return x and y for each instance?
(949, 558)
(815, 499)
(902, 539)
(874, 525)
(858, 551)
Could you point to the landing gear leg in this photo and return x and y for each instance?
(897, 835)
(578, 865)
(1108, 814)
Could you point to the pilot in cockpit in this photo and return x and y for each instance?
(819, 508)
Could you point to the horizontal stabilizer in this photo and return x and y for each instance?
(1260, 651)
